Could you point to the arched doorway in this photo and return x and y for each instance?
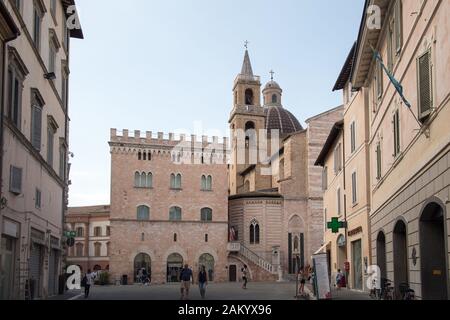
(207, 260)
(433, 253)
(381, 254)
(296, 244)
(174, 266)
(142, 261)
(400, 255)
(341, 253)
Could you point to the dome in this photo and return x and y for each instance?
(272, 85)
(281, 119)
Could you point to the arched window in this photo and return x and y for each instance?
(206, 214)
(209, 183)
(145, 155)
(137, 179)
(175, 181)
(97, 249)
(139, 155)
(254, 232)
(143, 213)
(97, 232)
(149, 156)
(175, 214)
(149, 180)
(274, 98)
(249, 97)
(175, 237)
(206, 183)
(79, 250)
(80, 232)
(143, 180)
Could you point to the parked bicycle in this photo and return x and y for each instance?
(406, 292)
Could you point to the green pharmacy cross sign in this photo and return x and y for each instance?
(335, 225)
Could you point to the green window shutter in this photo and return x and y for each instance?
(425, 85)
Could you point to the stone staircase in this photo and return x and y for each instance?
(261, 269)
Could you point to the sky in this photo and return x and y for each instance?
(169, 65)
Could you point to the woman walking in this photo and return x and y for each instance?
(202, 281)
(245, 277)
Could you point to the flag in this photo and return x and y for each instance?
(394, 81)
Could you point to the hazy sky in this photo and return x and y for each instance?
(162, 65)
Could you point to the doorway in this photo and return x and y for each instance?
(233, 273)
(381, 254)
(400, 255)
(8, 245)
(142, 262)
(433, 253)
(357, 265)
(174, 267)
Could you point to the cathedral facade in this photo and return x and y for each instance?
(254, 199)
(275, 203)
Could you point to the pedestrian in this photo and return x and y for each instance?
(302, 278)
(339, 278)
(139, 276)
(145, 280)
(186, 278)
(88, 282)
(245, 276)
(202, 281)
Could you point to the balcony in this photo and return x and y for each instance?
(234, 247)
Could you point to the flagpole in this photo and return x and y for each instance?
(397, 86)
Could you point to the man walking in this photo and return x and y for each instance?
(186, 278)
(88, 282)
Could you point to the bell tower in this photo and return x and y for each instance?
(246, 120)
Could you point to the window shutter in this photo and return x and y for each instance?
(425, 84)
(36, 120)
(398, 26)
(16, 180)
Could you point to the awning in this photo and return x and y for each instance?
(323, 248)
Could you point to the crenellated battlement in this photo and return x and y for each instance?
(163, 139)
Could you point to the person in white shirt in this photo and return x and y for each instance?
(88, 282)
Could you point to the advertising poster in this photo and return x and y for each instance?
(321, 279)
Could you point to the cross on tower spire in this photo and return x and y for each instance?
(271, 74)
(246, 42)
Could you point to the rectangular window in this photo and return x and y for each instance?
(425, 84)
(53, 7)
(52, 58)
(398, 26)
(337, 159)
(50, 144)
(354, 188)
(37, 199)
(378, 155)
(36, 126)
(14, 97)
(379, 80)
(396, 126)
(62, 162)
(37, 27)
(15, 180)
(64, 85)
(325, 179)
(338, 196)
(353, 137)
(390, 46)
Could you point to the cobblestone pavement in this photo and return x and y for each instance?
(220, 291)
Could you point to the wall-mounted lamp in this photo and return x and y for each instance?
(50, 76)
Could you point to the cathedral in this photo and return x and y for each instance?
(275, 207)
(252, 199)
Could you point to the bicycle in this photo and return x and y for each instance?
(388, 291)
(406, 292)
